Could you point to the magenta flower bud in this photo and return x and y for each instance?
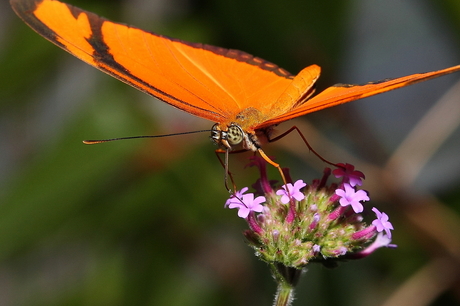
(366, 233)
(337, 213)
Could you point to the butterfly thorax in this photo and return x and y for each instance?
(249, 118)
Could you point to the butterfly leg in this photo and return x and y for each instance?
(304, 140)
(271, 162)
(227, 174)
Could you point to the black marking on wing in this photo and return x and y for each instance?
(24, 10)
(102, 54)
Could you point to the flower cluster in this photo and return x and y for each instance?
(299, 223)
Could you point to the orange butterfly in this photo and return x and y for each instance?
(244, 95)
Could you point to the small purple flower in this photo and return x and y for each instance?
(316, 248)
(350, 196)
(382, 223)
(314, 222)
(246, 203)
(349, 174)
(293, 191)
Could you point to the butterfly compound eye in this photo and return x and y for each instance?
(234, 135)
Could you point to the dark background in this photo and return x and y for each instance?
(142, 222)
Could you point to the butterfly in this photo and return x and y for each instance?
(242, 94)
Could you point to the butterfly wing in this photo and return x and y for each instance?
(210, 82)
(343, 93)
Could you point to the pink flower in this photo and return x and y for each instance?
(349, 174)
(382, 223)
(350, 196)
(293, 191)
(245, 203)
(236, 197)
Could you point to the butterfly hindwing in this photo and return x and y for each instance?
(343, 93)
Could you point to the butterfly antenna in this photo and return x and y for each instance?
(144, 136)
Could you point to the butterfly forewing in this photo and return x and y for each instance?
(210, 82)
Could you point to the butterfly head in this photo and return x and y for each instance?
(233, 135)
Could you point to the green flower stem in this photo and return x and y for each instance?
(284, 295)
(287, 278)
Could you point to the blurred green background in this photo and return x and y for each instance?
(142, 222)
